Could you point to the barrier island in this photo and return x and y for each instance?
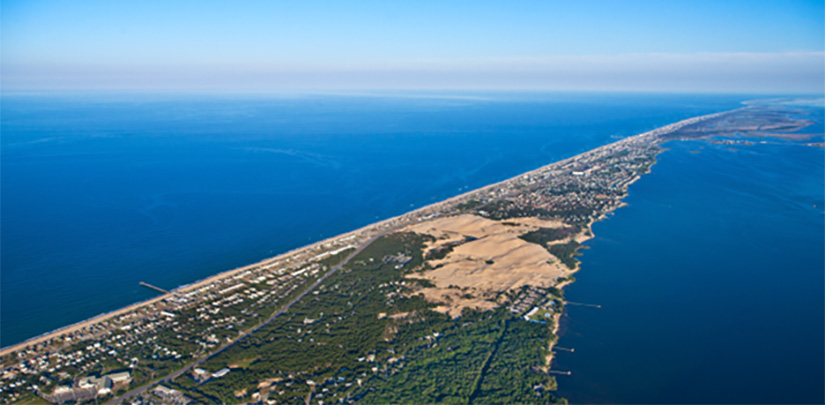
(459, 301)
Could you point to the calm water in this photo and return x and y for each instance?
(711, 284)
(712, 274)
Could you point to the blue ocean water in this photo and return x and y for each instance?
(711, 283)
(711, 279)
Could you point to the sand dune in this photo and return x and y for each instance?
(495, 260)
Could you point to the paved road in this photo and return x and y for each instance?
(178, 373)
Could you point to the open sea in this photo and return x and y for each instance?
(711, 280)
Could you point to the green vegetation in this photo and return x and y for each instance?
(30, 399)
(441, 252)
(333, 260)
(566, 252)
(543, 315)
(515, 372)
(468, 205)
(364, 335)
(445, 369)
(544, 235)
(423, 282)
(445, 249)
(505, 209)
(485, 357)
(326, 333)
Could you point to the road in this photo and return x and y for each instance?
(227, 345)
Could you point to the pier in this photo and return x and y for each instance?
(559, 372)
(571, 350)
(583, 305)
(158, 289)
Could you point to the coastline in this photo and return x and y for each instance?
(557, 317)
(652, 135)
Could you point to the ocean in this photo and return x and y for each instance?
(102, 191)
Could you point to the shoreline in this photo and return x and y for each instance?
(557, 317)
(653, 135)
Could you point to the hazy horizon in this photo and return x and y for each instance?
(682, 46)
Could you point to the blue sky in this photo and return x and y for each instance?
(704, 46)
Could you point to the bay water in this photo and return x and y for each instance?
(710, 283)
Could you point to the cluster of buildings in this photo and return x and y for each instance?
(89, 388)
(535, 304)
(582, 187)
(201, 375)
(158, 336)
(170, 395)
(578, 190)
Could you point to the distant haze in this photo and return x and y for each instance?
(685, 46)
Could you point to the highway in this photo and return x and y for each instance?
(176, 374)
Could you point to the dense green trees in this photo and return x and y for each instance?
(343, 341)
(542, 236)
(566, 252)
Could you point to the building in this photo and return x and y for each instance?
(220, 373)
(120, 377)
(169, 395)
(103, 384)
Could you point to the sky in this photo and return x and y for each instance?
(753, 46)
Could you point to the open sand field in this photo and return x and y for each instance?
(487, 258)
